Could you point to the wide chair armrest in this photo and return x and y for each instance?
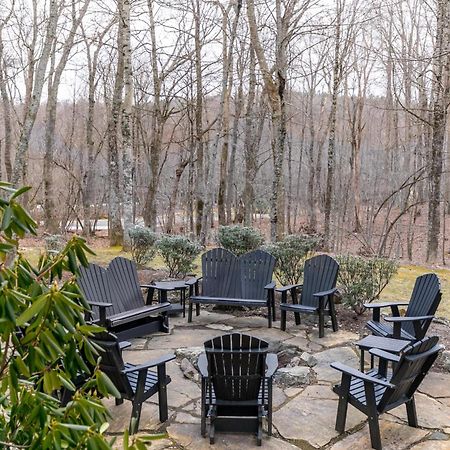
(271, 364)
(102, 310)
(384, 304)
(289, 287)
(124, 344)
(408, 319)
(416, 321)
(193, 281)
(325, 293)
(377, 307)
(360, 375)
(384, 355)
(152, 363)
(271, 285)
(193, 285)
(100, 304)
(202, 365)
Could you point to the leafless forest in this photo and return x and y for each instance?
(324, 116)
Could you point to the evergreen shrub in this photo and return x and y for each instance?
(238, 239)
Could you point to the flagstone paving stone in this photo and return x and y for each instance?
(311, 420)
(333, 339)
(431, 413)
(436, 385)
(394, 436)
(157, 444)
(432, 445)
(181, 338)
(188, 437)
(325, 372)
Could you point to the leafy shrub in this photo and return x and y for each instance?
(178, 253)
(143, 241)
(291, 253)
(363, 279)
(44, 342)
(239, 240)
(54, 242)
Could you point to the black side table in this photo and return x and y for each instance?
(390, 345)
(163, 287)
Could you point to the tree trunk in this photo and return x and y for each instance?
(150, 210)
(440, 94)
(234, 137)
(275, 91)
(199, 147)
(6, 112)
(337, 70)
(115, 216)
(127, 139)
(250, 146)
(170, 224)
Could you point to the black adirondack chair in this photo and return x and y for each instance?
(136, 383)
(317, 291)
(377, 391)
(117, 302)
(237, 377)
(232, 281)
(425, 299)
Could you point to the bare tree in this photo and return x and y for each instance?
(441, 90)
(51, 221)
(36, 82)
(287, 17)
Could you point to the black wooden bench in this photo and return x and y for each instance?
(235, 281)
(117, 302)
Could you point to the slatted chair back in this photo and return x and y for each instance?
(118, 284)
(236, 367)
(414, 364)
(320, 274)
(111, 362)
(124, 281)
(94, 284)
(425, 299)
(256, 270)
(219, 273)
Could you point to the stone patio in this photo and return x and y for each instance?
(304, 414)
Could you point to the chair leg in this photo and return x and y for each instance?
(212, 431)
(374, 428)
(372, 413)
(183, 301)
(135, 416)
(269, 412)
(269, 316)
(334, 323)
(321, 324)
(341, 415)
(294, 297)
(203, 409)
(162, 394)
(283, 320)
(197, 309)
(165, 323)
(259, 433)
(274, 317)
(411, 412)
(190, 312)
